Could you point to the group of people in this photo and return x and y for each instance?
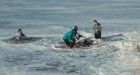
(71, 36)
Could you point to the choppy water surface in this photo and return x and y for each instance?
(50, 19)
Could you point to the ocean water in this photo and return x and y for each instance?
(50, 19)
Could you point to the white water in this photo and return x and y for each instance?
(50, 19)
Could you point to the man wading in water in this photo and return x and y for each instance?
(97, 31)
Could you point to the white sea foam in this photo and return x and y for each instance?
(117, 54)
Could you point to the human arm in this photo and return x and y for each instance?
(78, 35)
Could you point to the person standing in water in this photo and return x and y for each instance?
(97, 31)
(20, 35)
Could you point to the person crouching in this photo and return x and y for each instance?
(20, 35)
(70, 37)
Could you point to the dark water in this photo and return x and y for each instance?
(50, 19)
(57, 16)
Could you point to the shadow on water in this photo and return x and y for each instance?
(114, 37)
(56, 67)
(26, 40)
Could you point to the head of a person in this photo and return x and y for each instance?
(19, 30)
(75, 28)
(95, 21)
